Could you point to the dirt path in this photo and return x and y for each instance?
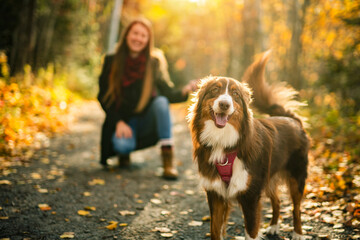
(82, 201)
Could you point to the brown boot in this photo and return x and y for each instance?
(170, 171)
(124, 161)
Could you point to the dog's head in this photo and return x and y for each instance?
(221, 101)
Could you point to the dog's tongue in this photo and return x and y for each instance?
(221, 120)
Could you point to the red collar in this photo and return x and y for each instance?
(225, 166)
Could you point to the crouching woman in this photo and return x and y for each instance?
(135, 91)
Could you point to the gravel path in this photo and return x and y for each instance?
(63, 193)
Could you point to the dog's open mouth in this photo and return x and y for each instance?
(220, 119)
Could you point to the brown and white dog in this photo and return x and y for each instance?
(239, 156)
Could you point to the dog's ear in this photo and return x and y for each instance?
(197, 99)
(247, 93)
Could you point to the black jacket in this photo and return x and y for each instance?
(163, 86)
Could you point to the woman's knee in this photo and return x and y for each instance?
(161, 103)
(124, 145)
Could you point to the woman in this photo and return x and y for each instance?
(135, 91)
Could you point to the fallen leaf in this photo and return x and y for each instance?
(5, 182)
(87, 194)
(112, 225)
(189, 192)
(35, 176)
(67, 235)
(167, 235)
(155, 201)
(45, 160)
(83, 212)
(126, 213)
(136, 195)
(4, 218)
(97, 181)
(165, 212)
(195, 223)
(338, 225)
(123, 224)
(42, 190)
(307, 228)
(88, 208)
(161, 229)
(206, 218)
(44, 207)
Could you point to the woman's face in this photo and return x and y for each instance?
(137, 39)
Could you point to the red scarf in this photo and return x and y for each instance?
(134, 69)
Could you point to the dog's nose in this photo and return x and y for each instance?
(224, 105)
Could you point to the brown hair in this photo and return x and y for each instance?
(117, 69)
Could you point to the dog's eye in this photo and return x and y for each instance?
(215, 90)
(236, 94)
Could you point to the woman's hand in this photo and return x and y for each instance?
(190, 87)
(123, 130)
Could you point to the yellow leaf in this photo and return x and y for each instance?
(90, 208)
(97, 181)
(162, 229)
(67, 235)
(112, 225)
(5, 182)
(83, 212)
(126, 212)
(195, 223)
(123, 224)
(35, 176)
(44, 207)
(155, 201)
(167, 235)
(189, 192)
(205, 218)
(87, 194)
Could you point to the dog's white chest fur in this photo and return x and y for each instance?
(220, 139)
(238, 182)
(215, 137)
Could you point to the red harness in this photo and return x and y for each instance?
(225, 167)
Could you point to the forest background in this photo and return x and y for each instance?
(51, 54)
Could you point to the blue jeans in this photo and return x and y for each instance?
(148, 128)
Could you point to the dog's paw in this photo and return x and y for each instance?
(296, 236)
(273, 229)
(247, 236)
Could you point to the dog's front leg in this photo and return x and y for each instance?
(219, 211)
(251, 208)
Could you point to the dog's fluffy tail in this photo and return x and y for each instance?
(275, 99)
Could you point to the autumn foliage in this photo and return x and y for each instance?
(31, 108)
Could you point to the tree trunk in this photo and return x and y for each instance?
(44, 36)
(252, 35)
(23, 41)
(296, 22)
(114, 25)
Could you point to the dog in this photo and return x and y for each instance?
(240, 156)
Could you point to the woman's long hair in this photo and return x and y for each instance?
(113, 93)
